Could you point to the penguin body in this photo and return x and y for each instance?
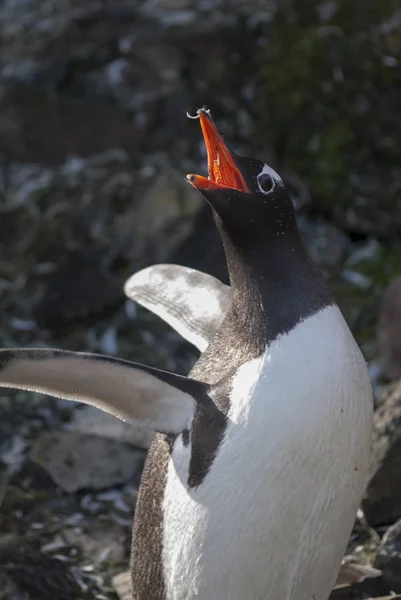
(274, 512)
(251, 487)
(254, 531)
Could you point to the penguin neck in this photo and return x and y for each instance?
(274, 284)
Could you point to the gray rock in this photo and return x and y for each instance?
(326, 243)
(382, 503)
(77, 461)
(90, 420)
(162, 218)
(352, 572)
(389, 330)
(99, 544)
(388, 557)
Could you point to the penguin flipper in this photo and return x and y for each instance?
(192, 302)
(163, 401)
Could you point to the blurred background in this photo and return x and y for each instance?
(94, 147)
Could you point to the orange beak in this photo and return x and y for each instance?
(223, 172)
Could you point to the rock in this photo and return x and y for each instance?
(34, 574)
(202, 249)
(326, 243)
(90, 420)
(99, 544)
(40, 128)
(162, 218)
(77, 461)
(122, 585)
(352, 572)
(382, 502)
(362, 591)
(352, 594)
(388, 557)
(8, 588)
(4, 477)
(389, 330)
(79, 287)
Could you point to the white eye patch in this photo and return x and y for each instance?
(267, 180)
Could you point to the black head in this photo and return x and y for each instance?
(248, 197)
(273, 282)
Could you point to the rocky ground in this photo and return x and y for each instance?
(94, 146)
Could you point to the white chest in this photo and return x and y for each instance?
(273, 515)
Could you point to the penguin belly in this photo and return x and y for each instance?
(272, 518)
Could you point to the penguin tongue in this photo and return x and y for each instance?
(223, 172)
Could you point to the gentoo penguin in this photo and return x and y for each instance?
(252, 484)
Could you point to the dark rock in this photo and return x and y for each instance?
(46, 131)
(202, 249)
(8, 588)
(389, 330)
(106, 462)
(388, 557)
(4, 478)
(35, 575)
(361, 593)
(367, 590)
(80, 286)
(382, 503)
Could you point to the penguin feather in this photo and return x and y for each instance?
(193, 303)
(130, 391)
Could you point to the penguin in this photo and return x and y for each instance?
(251, 486)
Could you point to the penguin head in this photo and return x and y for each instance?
(247, 196)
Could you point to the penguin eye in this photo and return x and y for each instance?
(265, 183)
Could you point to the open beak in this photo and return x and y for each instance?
(223, 171)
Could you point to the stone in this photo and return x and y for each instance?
(78, 461)
(90, 420)
(41, 129)
(389, 330)
(34, 574)
(202, 249)
(4, 477)
(99, 544)
(351, 572)
(162, 218)
(9, 589)
(122, 585)
(382, 502)
(326, 243)
(79, 287)
(352, 594)
(388, 557)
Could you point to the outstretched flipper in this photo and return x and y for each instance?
(193, 303)
(163, 401)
